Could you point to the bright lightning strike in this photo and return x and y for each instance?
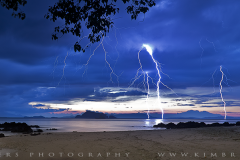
(225, 80)
(149, 50)
(140, 70)
(224, 103)
(220, 84)
(148, 92)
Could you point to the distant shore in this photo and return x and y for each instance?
(188, 144)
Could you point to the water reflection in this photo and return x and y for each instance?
(99, 125)
(152, 122)
(157, 121)
(147, 122)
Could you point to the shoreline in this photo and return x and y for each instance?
(197, 143)
(119, 125)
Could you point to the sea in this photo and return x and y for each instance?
(99, 125)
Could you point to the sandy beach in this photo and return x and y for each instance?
(196, 143)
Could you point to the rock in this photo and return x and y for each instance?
(34, 126)
(202, 124)
(214, 125)
(170, 125)
(2, 135)
(38, 130)
(53, 129)
(226, 124)
(192, 124)
(162, 125)
(16, 127)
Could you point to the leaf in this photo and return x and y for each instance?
(96, 15)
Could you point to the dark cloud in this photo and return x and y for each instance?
(116, 95)
(179, 104)
(191, 39)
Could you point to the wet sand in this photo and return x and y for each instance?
(196, 143)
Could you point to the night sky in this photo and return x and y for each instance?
(190, 39)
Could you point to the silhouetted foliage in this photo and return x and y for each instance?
(14, 5)
(95, 14)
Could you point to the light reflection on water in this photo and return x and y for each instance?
(99, 125)
(87, 125)
(152, 122)
(158, 121)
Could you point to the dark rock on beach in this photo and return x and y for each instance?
(34, 126)
(214, 124)
(192, 124)
(170, 125)
(162, 125)
(52, 129)
(228, 124)
(39, 130)
(18, 127)
(2, 135)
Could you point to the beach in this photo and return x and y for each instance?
(191, 143)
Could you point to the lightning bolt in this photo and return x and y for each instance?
(212, 44)
(148, 92)
(149, 50)
(63, 71)
(158, 68)
(105, 53)
(55, 66)
(203, 48)
(100, 45)
(225, 80)
(224, 103)
(220, 83)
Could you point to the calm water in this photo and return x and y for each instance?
(99, 125)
